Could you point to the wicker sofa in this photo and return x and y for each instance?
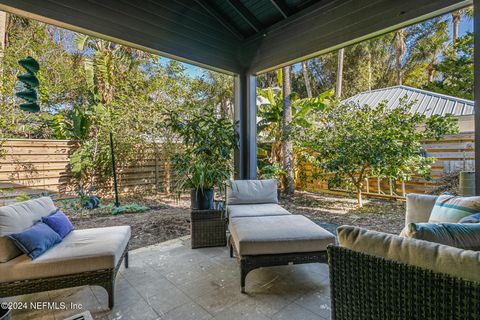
(84, 257)
(374, 275)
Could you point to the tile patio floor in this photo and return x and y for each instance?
(172, 281)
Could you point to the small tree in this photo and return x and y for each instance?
(347, 143)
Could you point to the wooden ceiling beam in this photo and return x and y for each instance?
(214, 12)
(281, 7)
(246, 15)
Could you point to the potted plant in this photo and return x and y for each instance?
(204, 159)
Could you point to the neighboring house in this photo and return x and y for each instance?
(424, 102)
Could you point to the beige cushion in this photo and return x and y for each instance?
(80, 251)
(278, 234)
(251, 191)
(16, 218)
(251, 210)
(419, 207)
(436, 257)
(452, 209)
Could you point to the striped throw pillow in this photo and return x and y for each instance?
(452, 209)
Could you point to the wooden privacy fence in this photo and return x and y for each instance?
(453, 153)
(37, 166)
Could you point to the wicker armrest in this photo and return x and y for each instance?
(369, 287)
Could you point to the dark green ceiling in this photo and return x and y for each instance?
(249, 17)
(233, 36)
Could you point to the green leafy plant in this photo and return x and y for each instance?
(270, 171)
(208, 141)
(22, 197)
(129, 208)
(348, 142)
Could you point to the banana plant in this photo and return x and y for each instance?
(269, 126)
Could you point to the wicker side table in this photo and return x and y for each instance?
(207, 228)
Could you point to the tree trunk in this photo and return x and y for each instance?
(456, 16)
(359, 197)
(286, 124)
(3, 40)
(399, 52)
(308, 87)
(338, 86)
(431, 69)
(369, 66)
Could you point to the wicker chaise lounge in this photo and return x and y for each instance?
(84, 257)
(263, 234)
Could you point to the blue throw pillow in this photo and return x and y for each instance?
(473, 218)
(59, 222)
(35, 240)
(459, 235)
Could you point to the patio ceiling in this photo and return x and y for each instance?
(234, 36)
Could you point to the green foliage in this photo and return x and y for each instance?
(269, 125)
(349, 142)
(129, 208)
(271, 171)
(456, 70)
(208, 141)
(22, 197)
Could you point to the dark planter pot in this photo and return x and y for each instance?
(202, 199)
(5, 314)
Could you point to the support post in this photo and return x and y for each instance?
(476, 93)
(245, 116)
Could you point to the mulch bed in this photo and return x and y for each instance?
(170, 219)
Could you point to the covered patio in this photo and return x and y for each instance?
(172, 281)
(242, 38)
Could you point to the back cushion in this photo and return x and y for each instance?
(16, 218)
(419, 207)
(432, 256)
(452, 209)
(251, 191)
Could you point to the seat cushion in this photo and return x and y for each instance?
(459, 235)
(252, 210)
(80, 251)
(251, 191)
(428, 255)
(18, 217)
(452, 209)
(278, 234)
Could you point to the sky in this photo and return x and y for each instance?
(466, 25)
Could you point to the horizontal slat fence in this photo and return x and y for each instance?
(36, 166)
(454, 152)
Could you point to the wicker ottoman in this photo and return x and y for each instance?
(207, 228)
(266, 241)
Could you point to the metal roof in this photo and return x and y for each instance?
(425, 102)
